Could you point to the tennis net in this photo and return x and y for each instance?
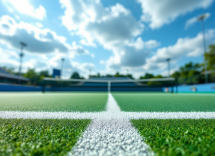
(110, 84)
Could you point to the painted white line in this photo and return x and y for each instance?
(106, 115)
(171, 115)
(47, 115)
(110, 132)
(112, 106)
(110, 135)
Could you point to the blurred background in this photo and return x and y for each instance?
(82, 39)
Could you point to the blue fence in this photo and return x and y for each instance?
(210, 87)
(201, 88)
(104, 88)
(20, 88)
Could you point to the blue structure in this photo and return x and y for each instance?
(6, 77)
(197, 88)
(20, 88)
(56, 73)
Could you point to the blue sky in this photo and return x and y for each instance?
(106, 36)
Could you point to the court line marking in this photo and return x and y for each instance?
(109, 135)
(121, 115)
(112, 125)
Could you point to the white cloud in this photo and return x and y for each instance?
(193, 20)
(8, 58)
(79, 49)
(40, 25)
(82, 68)
(133, 54)
(107, 26)
(17, 17)
(92, 55)
(140, 44)
(86, 43)
(114, 28)
(24, 7)
(184, 47)
(38, 40)
(102, 62)
(159, 12)
(118, 31)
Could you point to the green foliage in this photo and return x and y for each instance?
(75, 75)
(158, 83)
(190, 73)
(155, 83)
(116, 75)
(121, 75)
(187, 137)
(210, 59)
(139, 102)
(39, 137)
(36, 78)
(98, 75)
(67, 102)
(147, 76)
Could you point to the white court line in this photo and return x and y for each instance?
(110, 132)
(106, 115)
(108, 135)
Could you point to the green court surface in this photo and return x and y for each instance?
(39, 137)
(155, 102)
(53, 102)
(178, 137)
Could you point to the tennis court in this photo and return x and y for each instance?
(53, 102)
(100, 131)
(165, 102)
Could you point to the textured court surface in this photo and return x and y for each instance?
(39, 137)
(53, 102)
(146, 102)
(179, 136)
(114, 131)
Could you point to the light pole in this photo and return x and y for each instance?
(168, 60)
(61, 73)
(201, 18)
(21, 56)
(127, 71)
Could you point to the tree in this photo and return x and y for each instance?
(117, 74)
(75, 75)
(155, 83)
(33, 76)
(98, 75)
(44, 73)
(176, 74)
(130, 76)
(147, 76)
(190, 73)
(109, 75)
(210, 59)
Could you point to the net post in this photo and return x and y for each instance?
(109, 86)
(43, 87)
